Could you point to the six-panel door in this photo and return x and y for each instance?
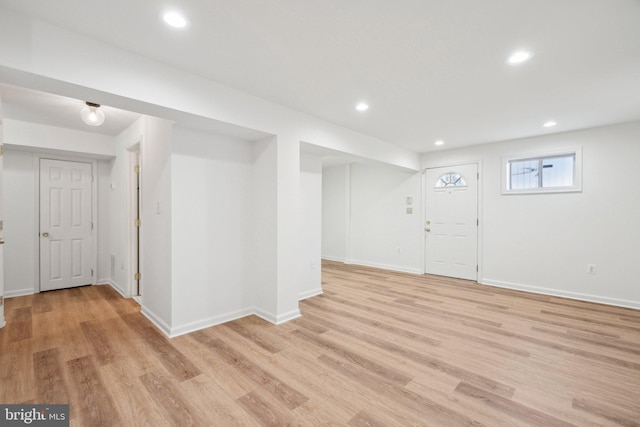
(65, 224)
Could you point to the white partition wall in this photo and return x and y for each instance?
(2, 321)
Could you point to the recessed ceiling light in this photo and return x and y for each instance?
(549, 124)
(363, 106)
(439, 142)
(520, 56)
(175, 19)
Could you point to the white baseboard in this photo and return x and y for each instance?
(114, 285)
(18, 293)
(560, 293)
(228, 317)
(330, 258)
(375, 265)
(118, 288)
(285, 317)
(388, 267)
(269, 317)
(310, 293)
(279, 319)
(211, 321)
(157, 321)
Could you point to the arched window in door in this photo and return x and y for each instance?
(451, 179)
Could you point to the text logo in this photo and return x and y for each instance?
(34, 415)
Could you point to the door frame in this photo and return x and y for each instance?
(478, 164)
(94, 212)
(134, 152)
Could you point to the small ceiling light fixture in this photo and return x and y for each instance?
(439, 142)
(175, 19)
(549, 124)
(363, 106)
(520, 56)
(92, 114)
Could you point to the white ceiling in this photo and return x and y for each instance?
(430, 69)
(53, 110)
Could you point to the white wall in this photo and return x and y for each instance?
(382, 233)
(212, 217)
(20, 224)
(263, 269)
(365, 212)
(542, 242)
(2, 321)
(224, 228)
(117, 209)
(310, 227)
(103, 217)
(156, 222)
(25, 135)
(335, 212)
(287, 208)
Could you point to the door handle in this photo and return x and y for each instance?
(1, 240)
(45, 234)
(427, 230)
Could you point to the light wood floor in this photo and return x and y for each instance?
(377, 349)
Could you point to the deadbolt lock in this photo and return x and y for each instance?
(45, 234)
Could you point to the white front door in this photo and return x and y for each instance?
(65, 224)
(451, 227)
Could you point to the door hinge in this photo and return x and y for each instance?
(478, 222)
(92, 272)
(1, 301)
(92, 226)
(1, 225)
(137, 223)
(477, 268)
(136, 169)
(1, 150)
(137, 276)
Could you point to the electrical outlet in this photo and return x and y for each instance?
(591, 269)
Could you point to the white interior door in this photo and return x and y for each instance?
(451, 228)
(65, 224)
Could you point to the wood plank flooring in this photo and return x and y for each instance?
(378, 348)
